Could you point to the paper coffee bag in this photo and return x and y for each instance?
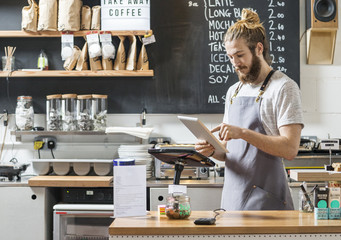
(142, 61)
(131, 58)
(120, 60)
(86, 17)
(47, 20)
(69, 15)
(29, 19)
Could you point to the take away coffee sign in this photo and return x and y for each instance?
(125, 14)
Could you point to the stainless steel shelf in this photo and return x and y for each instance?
(19, 134)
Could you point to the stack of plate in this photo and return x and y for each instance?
(140, 154)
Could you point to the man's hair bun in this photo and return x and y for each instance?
(249, 19)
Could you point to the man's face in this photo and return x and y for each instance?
(246, 63)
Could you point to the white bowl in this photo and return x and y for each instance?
(102, 169)
(81, 168)
(61, 168)
(41, 168)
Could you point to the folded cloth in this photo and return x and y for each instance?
(134, 131)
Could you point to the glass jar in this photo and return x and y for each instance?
(24, 113)
(53, 112)
(84, 117)
(178, 207)
(99, 111)
(306, 205)
(69, 112)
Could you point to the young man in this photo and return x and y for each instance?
(262, 123)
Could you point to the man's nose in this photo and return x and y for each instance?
(236, 62)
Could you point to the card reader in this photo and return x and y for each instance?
(204, 221)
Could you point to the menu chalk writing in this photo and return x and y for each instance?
(220, 15)
(196, 53)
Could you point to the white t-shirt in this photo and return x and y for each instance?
(281, 102)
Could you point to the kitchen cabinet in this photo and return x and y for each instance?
(26, 213)
(62, 73)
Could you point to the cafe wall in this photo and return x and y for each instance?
(321, 98)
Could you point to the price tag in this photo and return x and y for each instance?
(67, 38)
(148, 40)
(105, 37)
(177, 189)
(92, 38)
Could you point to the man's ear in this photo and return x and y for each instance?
(259, 48)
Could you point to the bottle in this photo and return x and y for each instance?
(53, 112)
(24, 113)
(69, 112)
(99, 111)
(43, 62)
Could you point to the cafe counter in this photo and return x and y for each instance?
(231, 224)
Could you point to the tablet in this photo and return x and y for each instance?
(203, 133)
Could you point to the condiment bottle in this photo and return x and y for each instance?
(24, 113)
(84, 117)
(69, 112)
(43, 62)
(99, 111)
(53, 112)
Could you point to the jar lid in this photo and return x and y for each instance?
(24, 97)
(54, 96)
(99, 96)
(87, 96)
(69, 95)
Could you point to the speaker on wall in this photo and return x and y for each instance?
(322, 24)
(322, 14)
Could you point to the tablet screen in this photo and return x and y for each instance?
(202, 133)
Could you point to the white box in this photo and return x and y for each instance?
(125, 15)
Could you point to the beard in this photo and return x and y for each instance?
(253, 74)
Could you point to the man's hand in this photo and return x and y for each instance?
(204, 148)
(227, 132)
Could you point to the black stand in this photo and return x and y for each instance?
(178, 170)
(181, 158)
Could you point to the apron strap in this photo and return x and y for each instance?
(262, 88)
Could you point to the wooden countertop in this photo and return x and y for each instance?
(107, 181)
(71, 181)
(234, 222)
(314, 175)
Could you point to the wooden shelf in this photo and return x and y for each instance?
(314, 175)
(62, 73)
(23, 34)
(71, 181)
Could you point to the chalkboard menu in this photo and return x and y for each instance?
(190, 56)
(192, 71)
